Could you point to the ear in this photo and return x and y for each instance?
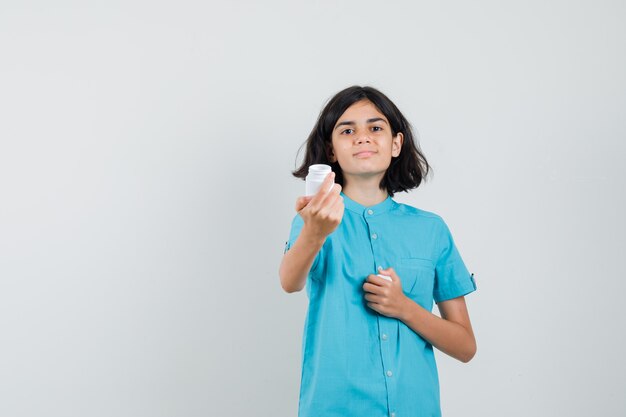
(396, 144)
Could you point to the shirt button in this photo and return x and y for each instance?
(385, 337)
(389, 373)
(374, 236)
(370, 212)
(392, 415)
(380, 268)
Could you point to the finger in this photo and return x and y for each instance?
(333, 194)
(374, 307)
(338, 208)
(376, 280)
(326, 199)
(324, 188)
(372, 298)
(302, 202)
(371, 288)
(331, 182)
(326, 206)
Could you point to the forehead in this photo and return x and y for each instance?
(360, 111)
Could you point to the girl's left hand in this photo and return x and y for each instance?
(384, 297)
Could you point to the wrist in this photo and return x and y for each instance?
(312, 237)
(407, 309)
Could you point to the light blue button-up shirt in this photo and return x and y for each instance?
(357, 362)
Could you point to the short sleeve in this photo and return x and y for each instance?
(296, 228)
(452, 279)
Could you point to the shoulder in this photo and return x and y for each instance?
(410, 211)
(432, 221)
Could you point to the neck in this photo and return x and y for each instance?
(365, 191)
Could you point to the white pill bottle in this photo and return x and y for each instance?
(316, 176)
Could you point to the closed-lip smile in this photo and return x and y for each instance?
(364, 153)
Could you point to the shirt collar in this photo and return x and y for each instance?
(374, 210)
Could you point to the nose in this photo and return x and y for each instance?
(363, 138)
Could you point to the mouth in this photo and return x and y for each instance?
(364, 154)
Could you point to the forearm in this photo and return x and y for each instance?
(298, 260)
(449, 337)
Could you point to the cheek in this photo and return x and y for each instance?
(340, 149)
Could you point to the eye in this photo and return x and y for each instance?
(377, 128)
(347, 131)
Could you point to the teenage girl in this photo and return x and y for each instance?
(372, 268)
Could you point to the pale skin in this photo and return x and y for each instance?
(363, 145)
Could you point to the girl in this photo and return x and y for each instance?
(372, 268)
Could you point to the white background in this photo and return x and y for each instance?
(145, 195)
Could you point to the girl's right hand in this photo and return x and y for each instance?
(322, 212)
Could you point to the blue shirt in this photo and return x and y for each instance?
(357, 362)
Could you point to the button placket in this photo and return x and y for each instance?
(386, 325)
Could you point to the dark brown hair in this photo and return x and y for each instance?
(405, 172)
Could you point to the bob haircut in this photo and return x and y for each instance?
(405, 172)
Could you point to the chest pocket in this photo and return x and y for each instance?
(418, 277)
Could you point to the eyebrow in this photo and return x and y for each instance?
(352, 123)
